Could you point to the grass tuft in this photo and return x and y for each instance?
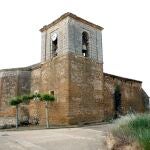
(133, 127)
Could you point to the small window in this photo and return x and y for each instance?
(85, 44)
(52, 92)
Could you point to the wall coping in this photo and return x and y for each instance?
(28, 68)
(122, 78)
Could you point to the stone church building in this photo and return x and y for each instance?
(71, 69)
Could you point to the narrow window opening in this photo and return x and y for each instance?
(85, 44)
(54, 47)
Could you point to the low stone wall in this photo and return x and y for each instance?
(7, 122)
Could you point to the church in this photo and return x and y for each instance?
(71, 68)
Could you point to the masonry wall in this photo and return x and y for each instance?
(0, 89)
(75, 30)
(69, 33)
(83, 93)
(131, 95)
(13, 82)
(52, 75)
(36, 79)
(77, 83)
(61, 29)
(86, 90)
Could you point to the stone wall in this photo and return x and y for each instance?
(7, 122)
(36, 79)
(82, 94)
(0, 89)
(69, 33)
(76, 28)
(13, 82)
(52, 76)
(77, 83)
(61, 29)
(131, 94)
(86, 90)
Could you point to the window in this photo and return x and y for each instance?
(54, 44)
(85, 44)
(54, 47)
(52, 92)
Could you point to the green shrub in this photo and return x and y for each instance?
(15, 101)
(26, 99)
(37, 96)
(47, 97)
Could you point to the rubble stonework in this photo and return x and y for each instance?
(83, 92)
(132, 99)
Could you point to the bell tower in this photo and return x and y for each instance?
(75, 45)
(70, 33)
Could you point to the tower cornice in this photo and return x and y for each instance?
(68, 14)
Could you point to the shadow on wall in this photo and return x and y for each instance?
(117, 101)
(146, 100)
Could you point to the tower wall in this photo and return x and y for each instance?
(61, 29)
(86, 90)
(75, 30)
(52, 75)
(77, 83)
(69, 32)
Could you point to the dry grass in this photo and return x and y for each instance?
(133, 128)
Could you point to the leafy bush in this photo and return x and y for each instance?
(134, 128)
(48, 97)
(38, 95)
(15, 101)
(26, 99)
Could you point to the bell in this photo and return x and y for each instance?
(84, 47)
